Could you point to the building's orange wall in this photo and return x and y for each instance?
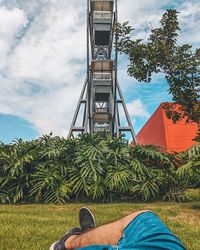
(179, 135)
(153, 131)
(161, 131)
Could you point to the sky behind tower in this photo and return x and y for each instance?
(43, 62)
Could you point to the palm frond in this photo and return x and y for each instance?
(118, 178)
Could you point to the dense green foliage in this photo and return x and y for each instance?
(161, 53)
(93, 168)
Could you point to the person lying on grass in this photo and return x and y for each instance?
(141, 230)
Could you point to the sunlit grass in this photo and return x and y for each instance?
(35, 227)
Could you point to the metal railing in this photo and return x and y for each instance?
(103, 127)
(102, 76)
(106, 15)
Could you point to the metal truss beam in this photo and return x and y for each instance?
(119, 128)
(74, 127)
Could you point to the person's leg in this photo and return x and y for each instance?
(106, 234)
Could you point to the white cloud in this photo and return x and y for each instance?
(11, 21)
(143, 15)
(189, 18)
(44, 70)
(137, 109)
(146, 14)
(45, 54)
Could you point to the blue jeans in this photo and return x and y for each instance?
(145, 232)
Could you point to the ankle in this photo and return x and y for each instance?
(68, 242)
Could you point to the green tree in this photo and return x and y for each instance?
(162, 54)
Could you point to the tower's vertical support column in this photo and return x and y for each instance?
(115, 123)
(88, 66)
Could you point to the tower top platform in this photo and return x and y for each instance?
(102, 5)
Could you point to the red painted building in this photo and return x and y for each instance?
(161, 131)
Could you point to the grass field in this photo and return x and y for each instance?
(35, 227)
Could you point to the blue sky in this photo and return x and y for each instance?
(42, 66)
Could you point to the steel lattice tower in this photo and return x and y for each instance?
(101, 103)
